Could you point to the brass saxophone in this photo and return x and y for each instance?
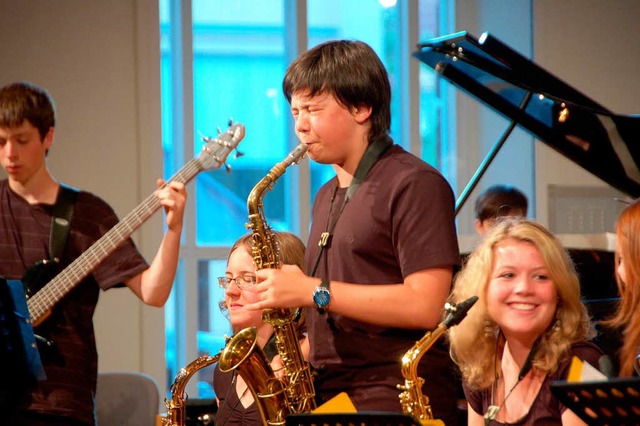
(177, 404)
(276, 398)
(413, 401)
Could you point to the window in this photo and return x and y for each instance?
(226, 59)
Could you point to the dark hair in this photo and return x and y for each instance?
(499, 201)
(22, 101)
(351, 72)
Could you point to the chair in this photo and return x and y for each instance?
(126, 398)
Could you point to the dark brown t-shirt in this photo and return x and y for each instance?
(400, 221)
(71, 367)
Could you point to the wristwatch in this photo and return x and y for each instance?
(322, 296)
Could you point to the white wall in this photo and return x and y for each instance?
(100, 62)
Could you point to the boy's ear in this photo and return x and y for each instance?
(48, 138)
(361, 112)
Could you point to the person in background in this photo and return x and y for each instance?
(27, 201)
(496, 202)
(236, 405)
(382, 244)
(524, 329)
(627, 315)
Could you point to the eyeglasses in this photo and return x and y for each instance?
(243, 281)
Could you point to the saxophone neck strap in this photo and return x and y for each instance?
(61, 220)
(373, 152)
(370, 157)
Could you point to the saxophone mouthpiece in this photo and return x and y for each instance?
(456, 313)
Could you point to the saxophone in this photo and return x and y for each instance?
(177, 404)
(413, 401)
(294, 393)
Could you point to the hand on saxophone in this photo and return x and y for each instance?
(284, 288)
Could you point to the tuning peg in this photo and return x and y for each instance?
(227, 168)
(205, 139)
(238, 154)
(230, 123)
(219, 131)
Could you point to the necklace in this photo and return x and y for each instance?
(492, 410)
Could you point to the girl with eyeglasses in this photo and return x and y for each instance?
(235, 401)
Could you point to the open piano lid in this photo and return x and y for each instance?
(603, 143)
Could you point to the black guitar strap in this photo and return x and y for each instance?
(61, 220)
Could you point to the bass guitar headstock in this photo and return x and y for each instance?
(214, 154)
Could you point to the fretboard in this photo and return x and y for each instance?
(41, 302)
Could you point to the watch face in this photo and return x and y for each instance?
(321, 297)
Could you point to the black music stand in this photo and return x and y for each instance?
(369, 418)
(615, 402)
(18, 349)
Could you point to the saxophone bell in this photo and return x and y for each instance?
(243, 355)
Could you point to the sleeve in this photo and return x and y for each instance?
(424, 223)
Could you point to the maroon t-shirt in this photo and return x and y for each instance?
(71, 367)
(400, 221)
(546, 410)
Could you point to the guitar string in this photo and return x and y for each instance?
(81, 266)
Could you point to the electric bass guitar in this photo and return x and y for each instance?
(40, 301)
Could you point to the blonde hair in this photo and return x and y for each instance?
(476, 342)
(628, 314)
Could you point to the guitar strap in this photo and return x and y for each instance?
(61, 221)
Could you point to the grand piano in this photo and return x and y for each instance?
(588, 134)
(602, 142)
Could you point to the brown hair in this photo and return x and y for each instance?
(352, 72)
(25, 101)
(628, 314)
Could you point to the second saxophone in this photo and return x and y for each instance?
(413, 401)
